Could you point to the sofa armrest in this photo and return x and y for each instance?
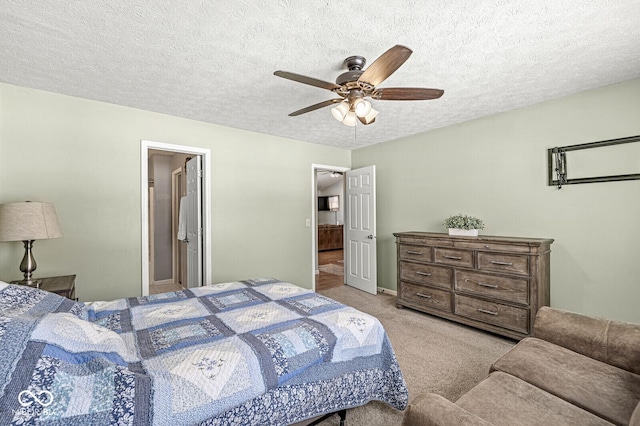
(614, 342)
(635, 416)
(430, 409)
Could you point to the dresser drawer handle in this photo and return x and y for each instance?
(414, 252)
(424, 296)
(453, 257)
(485, 311)
(425, 274)
(481, 284)
(495, 262)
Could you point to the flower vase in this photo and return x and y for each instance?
(463, 232)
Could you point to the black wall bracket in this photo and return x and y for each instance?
(557, 159)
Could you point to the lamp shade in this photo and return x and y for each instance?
(361, 107)
(340, 110)
(370, 117)
(350, 119)
(28, 221)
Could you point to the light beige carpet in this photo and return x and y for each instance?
(435, 355)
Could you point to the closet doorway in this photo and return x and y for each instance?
(167, 247)
(175, 257)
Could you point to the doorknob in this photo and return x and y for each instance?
(371, 237)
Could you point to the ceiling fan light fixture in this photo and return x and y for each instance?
(361, 107)
(355, 85)
(370, 117)
(340, 110)
(350, 119)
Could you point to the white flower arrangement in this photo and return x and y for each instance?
(461, 221)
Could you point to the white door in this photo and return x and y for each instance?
(194, 222)
(360, 229)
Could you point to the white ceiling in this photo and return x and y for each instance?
(325, 179)
(213, 61)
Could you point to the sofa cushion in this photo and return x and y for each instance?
(607, 391)
(614, 342)
(429, 409)
(502, 399)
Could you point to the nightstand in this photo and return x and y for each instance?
(64, 286)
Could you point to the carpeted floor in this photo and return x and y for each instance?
(435, 355)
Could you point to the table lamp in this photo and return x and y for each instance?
(28, 221)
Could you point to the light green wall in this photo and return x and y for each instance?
(84, 156)
(496, 168)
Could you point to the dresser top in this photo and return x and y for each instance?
(478, 239)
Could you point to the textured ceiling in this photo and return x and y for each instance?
(213, 61)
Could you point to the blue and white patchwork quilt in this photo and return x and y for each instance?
(256, 352)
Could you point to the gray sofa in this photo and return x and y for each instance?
(575, 370)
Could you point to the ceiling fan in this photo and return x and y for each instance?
(331, 173)
(355, 85)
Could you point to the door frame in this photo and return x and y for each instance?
(145, 147)
(176, 189)
(314, 216)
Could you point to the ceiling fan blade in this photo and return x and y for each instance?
(406, 94)
(307, 80)
(316, 106)
(385, 65)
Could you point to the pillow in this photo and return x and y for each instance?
(3, 284)
(76, 336)
(17, 300)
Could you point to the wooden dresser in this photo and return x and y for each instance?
(493, 283)
(330, 237)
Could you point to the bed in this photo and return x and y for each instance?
(254, 352)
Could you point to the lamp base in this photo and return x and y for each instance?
(28, 264)
(28, 283)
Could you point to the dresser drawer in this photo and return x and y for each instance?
(490, 246)
(420, 253)
(498, 314)
(454, 257)
(504, 288)
(428, 274)
(425, 241)
(425, 296)
(514, 264)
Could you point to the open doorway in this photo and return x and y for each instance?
(169, 219)
(328, 246)
(164, 182)
(359, 226)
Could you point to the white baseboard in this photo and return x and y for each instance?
(387, 291)
(162, 282)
